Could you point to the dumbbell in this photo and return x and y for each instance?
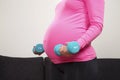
(38, 49)
(73, 47)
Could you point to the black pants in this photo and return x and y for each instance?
(87, 70)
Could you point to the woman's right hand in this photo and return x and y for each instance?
(37, 53)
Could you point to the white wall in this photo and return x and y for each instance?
(23, 23)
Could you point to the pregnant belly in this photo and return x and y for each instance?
(59, 33)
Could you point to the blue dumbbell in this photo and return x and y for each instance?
(72, 47)
(38, 49)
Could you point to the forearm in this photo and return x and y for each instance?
(93, 31)
(95, 9)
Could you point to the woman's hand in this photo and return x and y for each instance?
(37, 53)
(64, 51)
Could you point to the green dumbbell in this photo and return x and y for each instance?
(38, 49)
(72, 47)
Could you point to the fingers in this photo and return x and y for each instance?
(64, 51)
(37, 53)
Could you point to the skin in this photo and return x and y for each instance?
(64, 52)
(37, 53)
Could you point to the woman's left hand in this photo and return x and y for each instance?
(64, 51)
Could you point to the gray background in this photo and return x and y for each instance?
(23, 23)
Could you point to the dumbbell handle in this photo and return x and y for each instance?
(38, 49)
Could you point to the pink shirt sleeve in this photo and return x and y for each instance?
(95, 10)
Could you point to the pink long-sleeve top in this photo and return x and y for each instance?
(75, 20)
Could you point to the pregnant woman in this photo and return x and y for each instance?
(80, 21)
